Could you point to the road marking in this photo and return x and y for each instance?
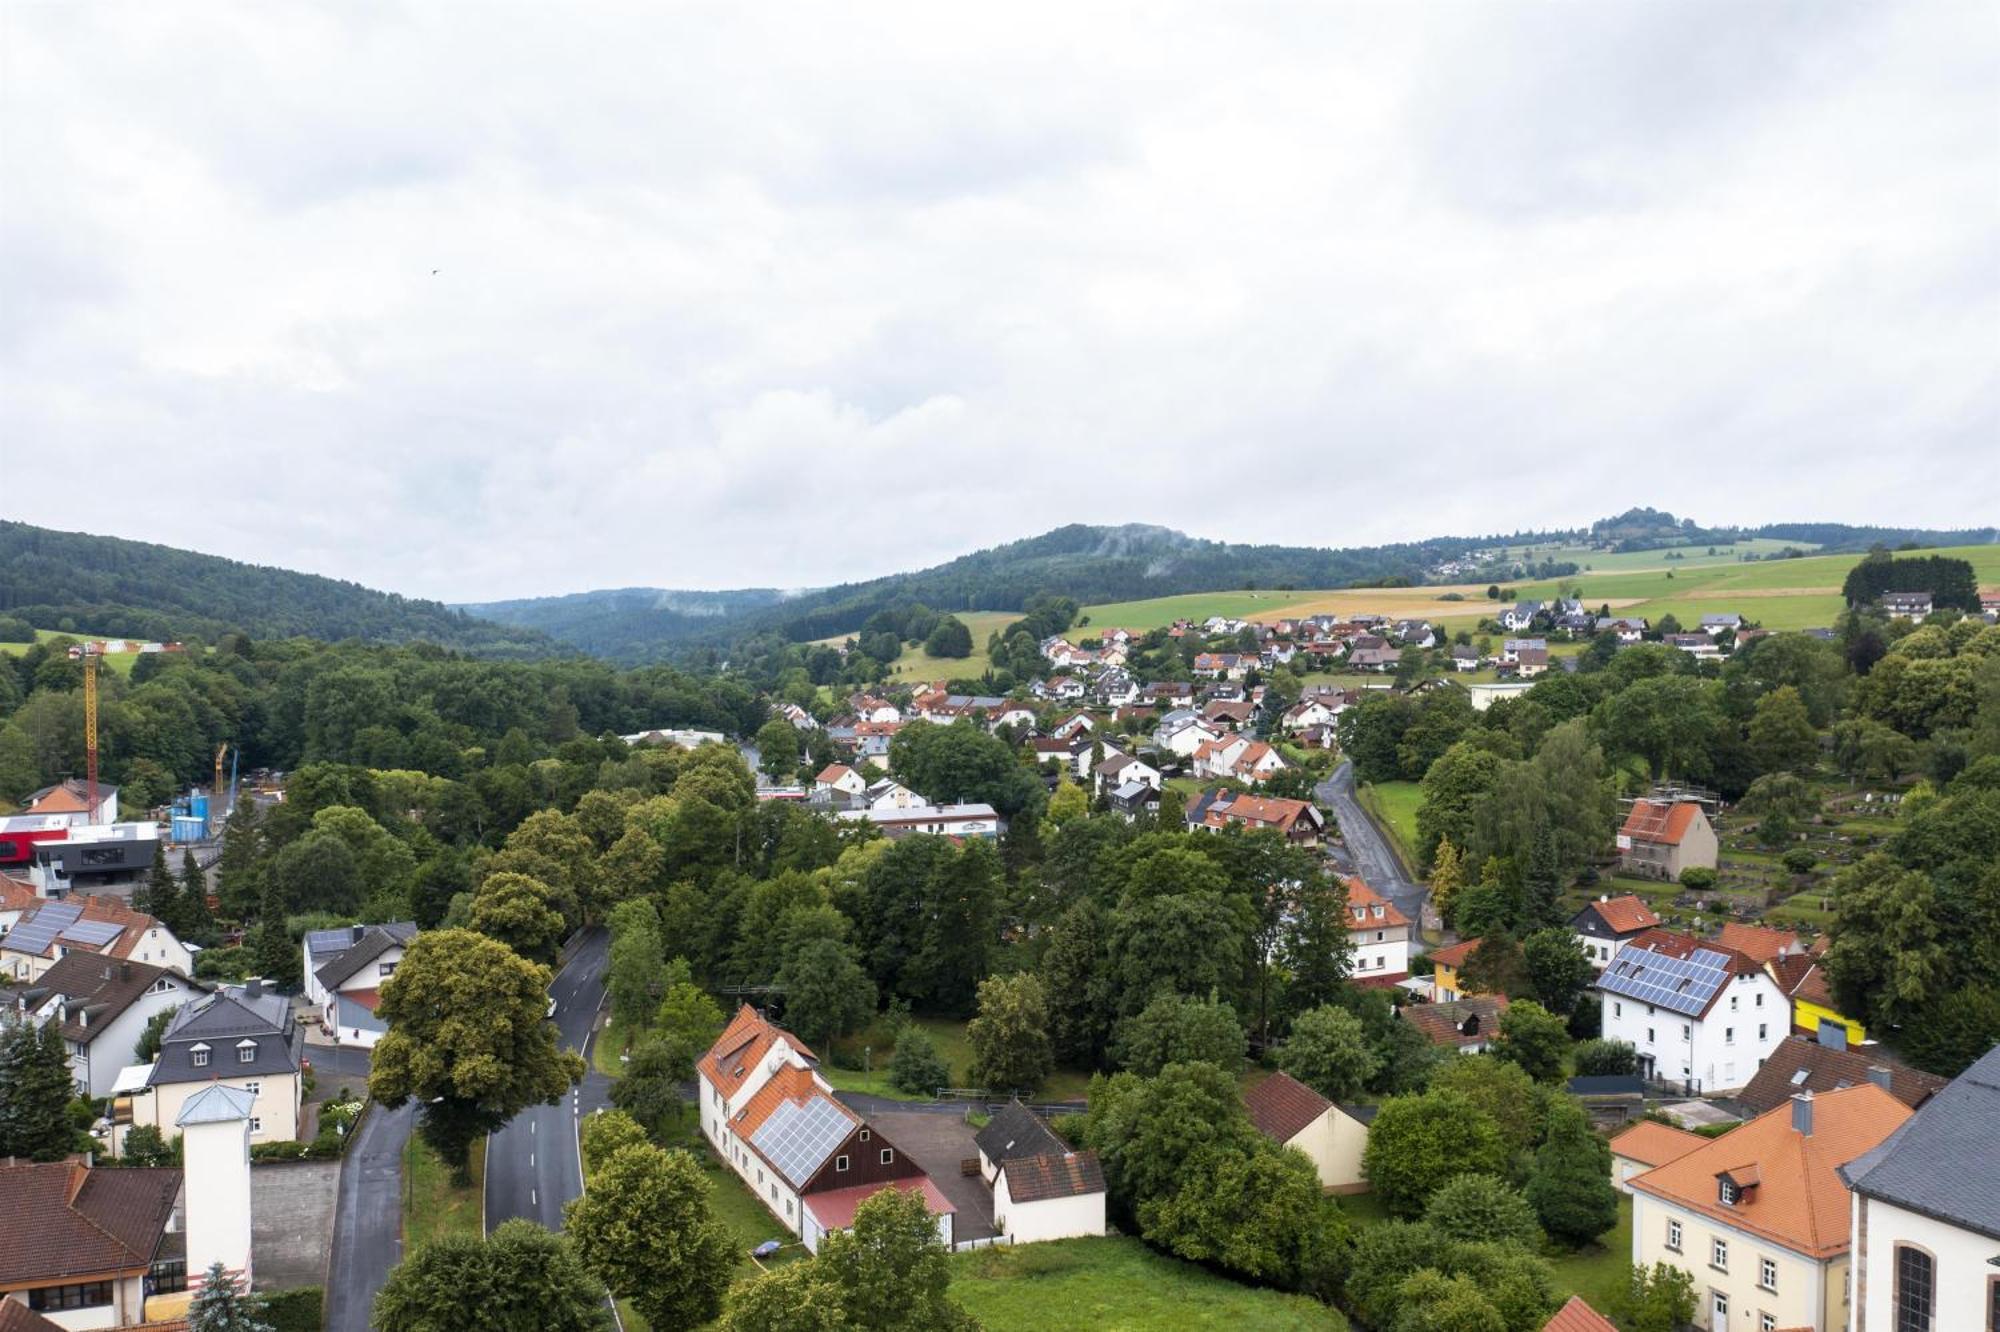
(533, 1201)
(531, 1160)
(531, 1126)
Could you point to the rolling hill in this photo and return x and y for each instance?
(107, 585)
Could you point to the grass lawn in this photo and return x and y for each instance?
(948, 1036)
(120, 662)
(604, 1051)
(917, 664)
(1395, 804)
(1117, 1283)
(432, 1208)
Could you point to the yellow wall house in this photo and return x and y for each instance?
(242, 1037)
(1332, 1136)
(1759, 1217)
(1445, 965)
(1804, 982)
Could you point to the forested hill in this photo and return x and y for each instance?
(105, 585)
(1089, 564)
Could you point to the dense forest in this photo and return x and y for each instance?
(79, 583)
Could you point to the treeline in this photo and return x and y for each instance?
(1950, 582)
(287, 702)
(80, 583)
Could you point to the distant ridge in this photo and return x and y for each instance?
(108, 585)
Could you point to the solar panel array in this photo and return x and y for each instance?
(1678, 984)
(91, 933)
(798, 1138)
(33, 935)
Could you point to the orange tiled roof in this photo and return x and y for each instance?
(1453, 955)
(1281, 1107)
(790, 1083)
(1626, 914)
(742, 1043)
(1578, 1316)
(1799, 1200)
(1441, 1023)
(1360, 894)
(1655, 1144)
(1657, 821)
(1759, 943)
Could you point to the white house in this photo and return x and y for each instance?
(1333, 1137)
(810, 1160)
(891, 794)
(102, 1006)
(967, 820)
(1118, 769)
(841, 778)
(1647, 1145)
(52, 929)
(1925, 1213)
(346, 982)
(1042, 1188)
(1696, 1012)
(1181, 732)
(69, 800)
(1380, 935)
(1606, 925)
(240, 1036)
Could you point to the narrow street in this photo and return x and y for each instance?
(368, 1220)
(1368, 846)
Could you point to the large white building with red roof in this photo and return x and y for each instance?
(1697, 1011)
(809, 1159)
(1380, 934)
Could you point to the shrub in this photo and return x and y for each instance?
(1606, 1059)
(916, 1067)
(1800, 860)
(293, 1310)
(1697, 879)
(1418, 1142)
(1481, 1207)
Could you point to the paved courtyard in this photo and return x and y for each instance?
(938, 1143)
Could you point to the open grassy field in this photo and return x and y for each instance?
(120, 662)
(1395, 805)
(432, 1207)
(916, 664)
(948, 1037)
(1777, 594)
(1692, 557)
(1117, 1283)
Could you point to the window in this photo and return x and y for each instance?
(166, 1276)
(1727, 1192)
(1732, 1003)
(385, 968)
(1687, 1032)
(864, 1135)
(246, 1052)
(888, 1156)
(1915, 1299)
(1767, 1275)
(198, 1056)
(1721, 1309)
(1674, 1235)
(256, 1124)
(839, 1163)
(1718, 1255)
(1760, 998)
(1617, 1010)
(788, 1207)
(1729, 1035)
(760, 1174)
(1649, 1035)
(57, 1299)
(1763, 1029)
(1766, 1323)
(254, 1088)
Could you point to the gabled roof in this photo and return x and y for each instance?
(1446, 1024)
(1361, 897)
(1576, 1315)
(746, 1040)
(1943, 1161)
(1677, 972)
(1620, 915)
(65, 1220)
(1800, 976)
(1660, 821)
(1065, 1175)
(1282, 1107)
(1015, 1130)
(69, 796)
(375, 940)
(1654, 1144)
(1798, 1200)
(16, 1316)
(97, 989)
(1800, 1063)
(1453, 955)
(1759, 943)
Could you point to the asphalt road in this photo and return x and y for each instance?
(368, 1218)
(532, 1167)
(1368, 846)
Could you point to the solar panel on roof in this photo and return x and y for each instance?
(35, 934)
(1683, 985)
(797, 1138)
(94, 933)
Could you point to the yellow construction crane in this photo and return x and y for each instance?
(90, 723)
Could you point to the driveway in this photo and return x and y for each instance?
(532, 1167)
(938, 1143)
(1368, 846)
(368, 1219)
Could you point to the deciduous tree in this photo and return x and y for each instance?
(521, 913)
(647, 1229)
(520, 1276)
(1482, 1207)
(1176, 1029)
(1328, 1050)
(1429, 1139)
(827, 994)
(1009, 1037)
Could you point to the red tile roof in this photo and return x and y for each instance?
(1281, 1107)
(835, 1207)
(16, 1316)
(1798, 1200)
(742, 1043)
(1800, 976)
(1623, 915)
(790, 1083)
(1578, 1316)
(1040, 1178)
(1654, 1144)
(1360, 895)
(66, 1222)
(1658, 821)
(1759, 943)
(1453, 955)
(1443, 1023)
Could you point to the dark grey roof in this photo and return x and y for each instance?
(222, 1022)
(375, 940)
(1942, 1162)
(1359, 1113)
(1018, 1131)
(1610, 1084)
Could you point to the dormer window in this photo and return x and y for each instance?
(198, 1055)
(246, 1052)
(1727, 1192)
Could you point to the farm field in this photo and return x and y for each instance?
(121, 662)
(916, 664)
(1692, 557)
(1117, 1283)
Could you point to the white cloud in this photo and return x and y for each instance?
(732, 296)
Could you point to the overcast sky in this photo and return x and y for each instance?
(475, 301)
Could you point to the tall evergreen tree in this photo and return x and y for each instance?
(238, 871)
(271, 949)
(155, 896)
(35, 1092)
(195, 918)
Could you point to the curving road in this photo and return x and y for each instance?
(1368, 846)
(532, 1167)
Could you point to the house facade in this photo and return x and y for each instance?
(1697, 1013)
(1925, 1214)
(1758, 1218)
(1608, 924)
(102, 1007)
(52, 929)
(973, 820)
(1332, 1136)
(1380, 935)
(1042, 1188)
(1660, 838)
(241, 1036)
(346, 985)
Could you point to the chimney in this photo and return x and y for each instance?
(124, 971)
(253, 987)
(1604, 897)
(1879, 1075)
(1802, 1112)
(357, 932)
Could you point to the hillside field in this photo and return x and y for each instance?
(121, 662)
(1777, 594)
(916, 664)
(1630, 561)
